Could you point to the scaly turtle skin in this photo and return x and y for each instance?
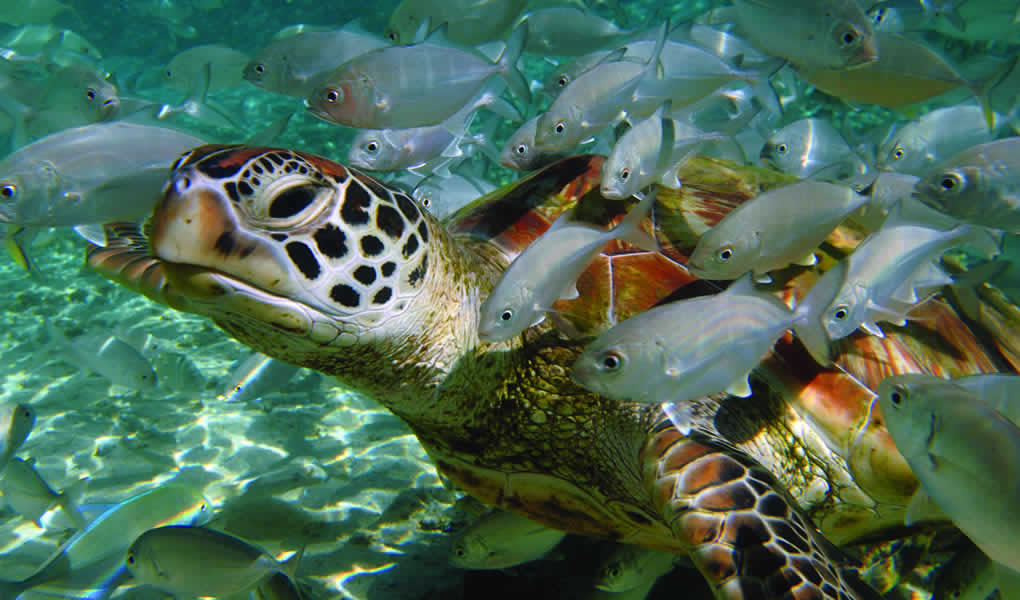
(309, 261)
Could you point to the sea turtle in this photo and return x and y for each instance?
(327, 268)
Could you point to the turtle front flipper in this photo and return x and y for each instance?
(740, 528)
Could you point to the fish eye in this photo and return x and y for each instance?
(725, 254)
(624, 174)
(372, 147)
(879, 16)
(840, 313)
(203, 507)
(612, 361)
(9, 191)
(782, 148)
(849, 38)
(169, 75)
(506, 316)
(563, 81)
(560, 127)
(426, 202)
(898, 153)
(130, 559)
(898, 395)
(90, 93)
(260, 68)
(950, 182)
(392, 36)
(522, 149)
(334, 95)
(614, 571)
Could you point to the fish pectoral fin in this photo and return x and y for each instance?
(763, 279)
(808, 261)
(741, 387)
(872, 328)
(92, 232)
(570, 293)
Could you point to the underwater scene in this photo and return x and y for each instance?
(546, 299)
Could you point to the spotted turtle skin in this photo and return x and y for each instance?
(325, 267)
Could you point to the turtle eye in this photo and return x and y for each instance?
(334, 95)
(951, 182)
(624, 174)
(563, 81)
(90, 93)
(506, 316)
(372, 147)
(9, 191)
(522, 149)
(840, 313)
(612, 361)
(725, 254)
(260, 68)
(782, 148)
(560, 127)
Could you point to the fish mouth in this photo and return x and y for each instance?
(867, 53)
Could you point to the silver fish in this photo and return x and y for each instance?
(293, 64)
(89, 175)
(413, 86)
(598, 98)
(812, 148)
(832, 34)
(443, 196)
(965, 454)
(919, 145)
(547, 269)
(569, 31)
(996, 390)
(979, 186)
(177, 372)
(226, 65)
(109, 535)
(522, 154)
(255, 377)
(30, 496)
(502, 539)
(16, 422)
(887, 276)
(428, 149)
(781, 226)
(652, 151)
(301, 473)
(107, 356)
(468, 22)
(897, 16)
(181, 559)
(687, 349)
(630, 567)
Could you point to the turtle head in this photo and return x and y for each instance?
(293, 255)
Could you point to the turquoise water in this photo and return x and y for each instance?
(380, 524)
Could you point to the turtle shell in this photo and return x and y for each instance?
(624, 280)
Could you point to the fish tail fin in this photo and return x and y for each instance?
(807, 316)
(69, 500)
(629, 229)
(983, 88)
(507, 62)
(17, 250)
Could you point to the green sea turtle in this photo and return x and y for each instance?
(309, 261)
